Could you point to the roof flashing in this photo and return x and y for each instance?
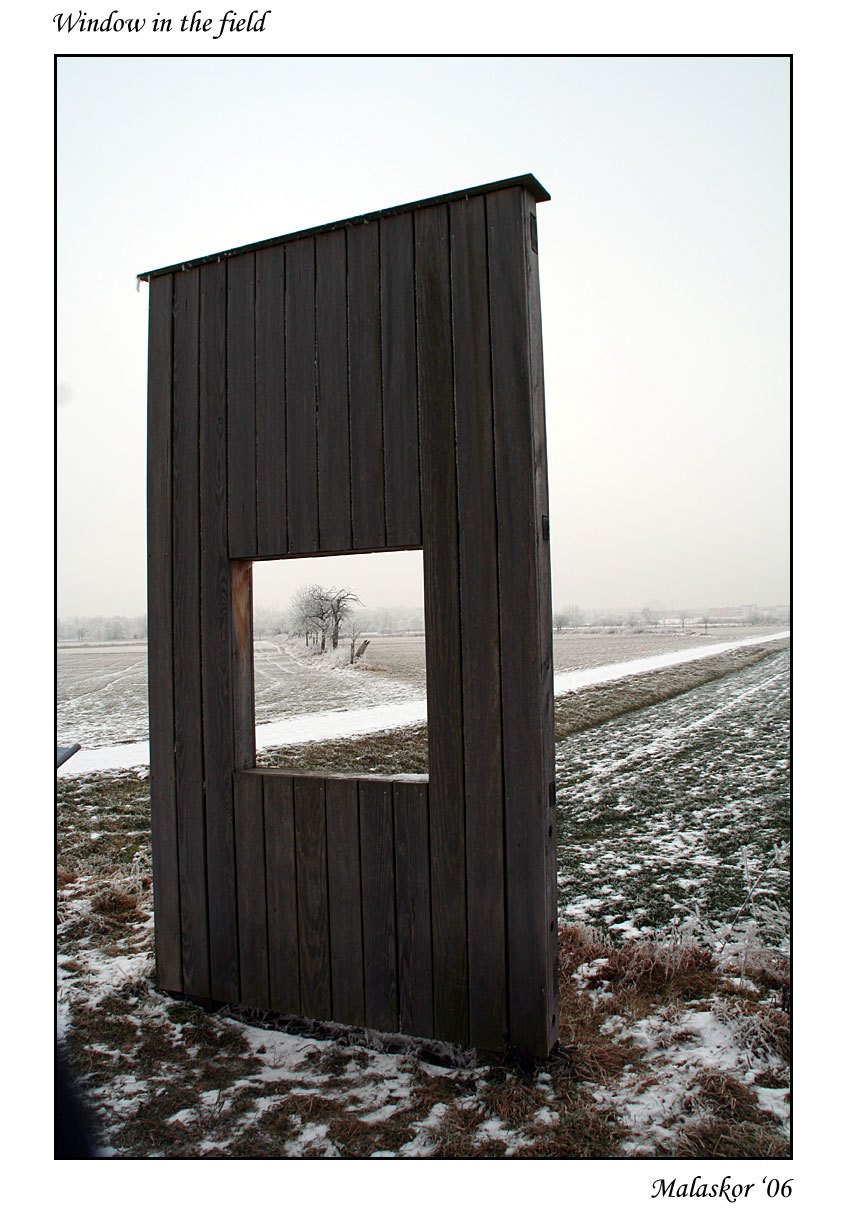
(527, 181)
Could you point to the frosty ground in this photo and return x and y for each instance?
(303, 695)
(673, 829)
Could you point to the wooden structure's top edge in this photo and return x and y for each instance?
(527, 181)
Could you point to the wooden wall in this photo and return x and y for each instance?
(371, 385)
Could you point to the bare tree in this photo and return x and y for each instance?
(340, 607)
(308, 614)
(319, 612)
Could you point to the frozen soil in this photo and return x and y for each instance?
(674, 980)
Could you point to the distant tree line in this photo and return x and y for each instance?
(571, 617)
(102, 628)
(672, 617)
(334, 613)
(391, 620)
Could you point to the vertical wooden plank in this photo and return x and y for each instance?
(241, 404)
(545, 613)
(312, 898)
(519, 525)
(414, 910)
(215, 613)
(487, 980)
(400, 404)
(441, 611)
(188, 733)
(271, 511)
(345, 901)
(378, 904)
(243, 699)
(252, 902)
(160, 674)
(281, 887)
(366, 445)
(333, 405)
(301, 448)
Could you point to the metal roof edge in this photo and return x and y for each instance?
(526, 180)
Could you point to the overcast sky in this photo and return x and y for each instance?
(664, 264)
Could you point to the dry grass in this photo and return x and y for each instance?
(723, 1117)
(389, 753)
(511, 1099)
(110, 905)
(722, 1138)
(763, 1028)
(484, 1112)
(586, 1054)
(728, 1099)
(666, 968)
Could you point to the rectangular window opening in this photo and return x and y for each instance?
(339, 664)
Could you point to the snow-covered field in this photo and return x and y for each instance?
(301, 696)
(673, 884)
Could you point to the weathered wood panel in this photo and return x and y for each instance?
(188, 708)
(243, 698)
(345, 901)
(215, 629)
(414, 910)
(378, 909)
(302, 446)
(312, 898)
(399, 373)
(376, 385)
(487, 983)
(271, 476)
(366, 447)
(160, 638)
(543, 613)
(442, 613)
(252, 896)
(281, 887)
(519, 524)
(333, 407)
(241, 405)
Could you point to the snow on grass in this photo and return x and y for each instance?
(670, 812)
(684, 1054)
(574, 680)
(389, 704)
(682, 804)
